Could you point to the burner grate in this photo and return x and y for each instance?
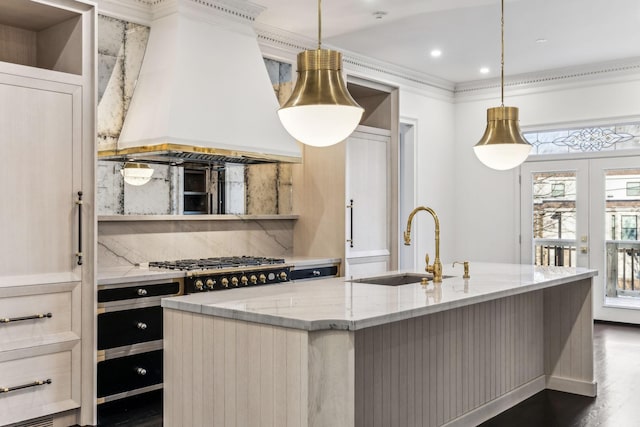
(215, 262)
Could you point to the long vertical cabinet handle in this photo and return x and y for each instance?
(79, 203)
(350, 239)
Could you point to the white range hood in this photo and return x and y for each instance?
(203, 94)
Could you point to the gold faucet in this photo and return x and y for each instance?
(436, 268)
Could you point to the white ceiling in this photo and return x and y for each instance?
(578, 32)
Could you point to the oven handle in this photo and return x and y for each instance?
(79, 203)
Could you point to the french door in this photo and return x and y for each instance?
(586, 213)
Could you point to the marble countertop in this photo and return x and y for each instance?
(337, 303)
(142, 272)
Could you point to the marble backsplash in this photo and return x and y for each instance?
(134, 242)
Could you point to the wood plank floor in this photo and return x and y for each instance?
(617, 365)
(617, 371)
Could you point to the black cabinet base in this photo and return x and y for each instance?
(142, 410)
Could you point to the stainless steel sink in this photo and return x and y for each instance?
(396, 279)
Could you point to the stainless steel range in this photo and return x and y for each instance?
(220, 273)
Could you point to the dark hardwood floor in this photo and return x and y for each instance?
(617, 365)
(617, 371)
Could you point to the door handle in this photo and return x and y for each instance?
(350, 206)
(584, 249)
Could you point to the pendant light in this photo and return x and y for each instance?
(320, 110)
(502, 146)
(136, 173)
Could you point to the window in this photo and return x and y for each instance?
(633, 188)
(585, 140)
(629, 229)
(557, 190)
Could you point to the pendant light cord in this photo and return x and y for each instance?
(320, 24)
(502, 55)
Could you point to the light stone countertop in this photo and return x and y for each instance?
(337, 303)
(142, 272)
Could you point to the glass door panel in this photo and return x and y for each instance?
(554, 218)
(615, 207)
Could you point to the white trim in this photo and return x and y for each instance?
(582, 73)
(498, 405)
(567, 385)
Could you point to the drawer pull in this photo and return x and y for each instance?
(141, 325)
(142, 292)
(141, 371)
(20, 387)
(18, 319)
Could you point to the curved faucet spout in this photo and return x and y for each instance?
(436, 268)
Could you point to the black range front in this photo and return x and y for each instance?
(222, 273)
(236, 277)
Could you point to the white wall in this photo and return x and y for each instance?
(435, 172)
(487, 201)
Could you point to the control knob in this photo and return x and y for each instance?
(263, 278)
(283, 276)
(234, 281)
(225, 282)
(210, 283)
(244, 280)
(254, 279)
(199, 285)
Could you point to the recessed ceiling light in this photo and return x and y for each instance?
(484, 70)
(541, 40)
(436, 53)
(379, 14)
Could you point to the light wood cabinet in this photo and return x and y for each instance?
(345, 202)
(47, 255)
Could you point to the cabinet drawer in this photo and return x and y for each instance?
(138, 291)
(24, 400)
(119, 328)
(129, 373)
(29, 318)
(314, 273)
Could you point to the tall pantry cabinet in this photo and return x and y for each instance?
(47, 232)
(346, 194)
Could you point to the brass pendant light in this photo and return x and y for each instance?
(502, 146)
(320, 111)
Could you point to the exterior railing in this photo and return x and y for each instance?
(560, 252)
(623, 268)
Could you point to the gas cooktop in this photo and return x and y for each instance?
(215, 263)
(219, 273)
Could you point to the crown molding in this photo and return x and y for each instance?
(144, 11)
(286, 45)
(136, 11)
(627, 68)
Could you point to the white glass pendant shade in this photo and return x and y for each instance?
(502, 146)
(320, 110)
(320, 125)
(136, 173)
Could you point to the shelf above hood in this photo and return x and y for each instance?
(203, 94)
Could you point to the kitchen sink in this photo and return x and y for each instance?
(396, 279)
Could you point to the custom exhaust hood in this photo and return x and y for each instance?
(203, 94)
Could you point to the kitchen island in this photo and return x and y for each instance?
(335, 352)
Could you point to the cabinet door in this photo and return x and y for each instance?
(367, 182)
(40, 135)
